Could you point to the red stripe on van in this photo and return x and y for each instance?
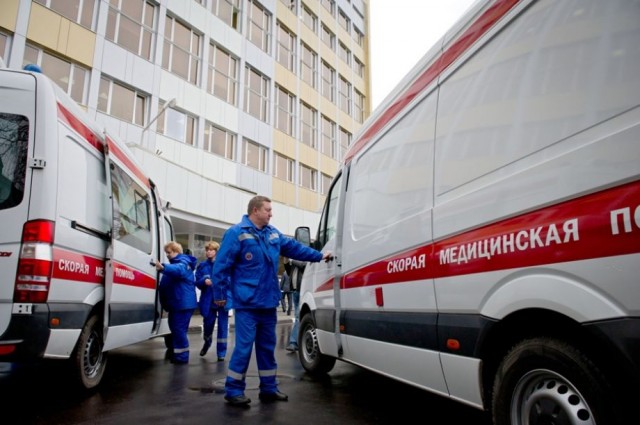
(124, 158)
(461, 45)
(74, 266)
(599, 225)
(74, 122)
(125, 275)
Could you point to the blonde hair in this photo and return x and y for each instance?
(173, 246)
(212, 245)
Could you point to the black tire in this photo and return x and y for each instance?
(548, 381)
(312, 360)
(88, 360)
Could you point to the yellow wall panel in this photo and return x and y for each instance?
(44, 26)
(9, 15)
(308, 200)
(308, 155)
(283, 191)
(285, 78)
(328, 165)
(81, 45)
(60, 35)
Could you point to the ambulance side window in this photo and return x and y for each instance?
(131, 219)
(14, 135)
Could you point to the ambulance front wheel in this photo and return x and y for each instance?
(544, 381)
(312, 360)
(88, 360)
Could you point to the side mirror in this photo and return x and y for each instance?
(303, 235)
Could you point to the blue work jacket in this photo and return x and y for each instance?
(245, 272)
(177, 286)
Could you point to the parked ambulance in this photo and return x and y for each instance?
(486, 221)
(80, 224)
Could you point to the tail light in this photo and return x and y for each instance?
(35, 262)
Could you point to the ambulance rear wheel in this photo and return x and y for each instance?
(312, 360)
(89, 361)
(548, 381)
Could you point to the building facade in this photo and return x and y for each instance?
(219, 99)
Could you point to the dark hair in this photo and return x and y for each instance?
(256, 202)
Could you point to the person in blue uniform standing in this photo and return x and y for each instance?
(245, 278)
(178, 297)
(209, 310)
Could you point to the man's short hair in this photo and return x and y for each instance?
(256, 202)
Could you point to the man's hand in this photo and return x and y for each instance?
(327, 256)
(220, 303)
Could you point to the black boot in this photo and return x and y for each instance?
(206, 346)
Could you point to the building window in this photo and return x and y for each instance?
(357, 36)
(181, 54)
(286, 48)
(328, 37)
(223, 75)
(345, 142)
(343, 20)
(219, 141)
(122, 102)
(309, 18)
(283, 167)
(308, 125)
(344, 53)
(177, 125)
(254, 155)
(291, 5)
(285, 104)
(328, 81)
(257, 95)
(329, 142)
(325, 183)
(259, 26)
(329, 5)
(228, 11)
(308, 178)
(344, 95)
(358, 106)
(358, 67)
(71, 78)
(308, 65)
(78, 11)
(132, 25)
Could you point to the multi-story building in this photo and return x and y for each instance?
(219, 99)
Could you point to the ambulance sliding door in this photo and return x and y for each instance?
(130, 281)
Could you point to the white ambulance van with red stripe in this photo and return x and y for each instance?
(80, 224)
(486, 221)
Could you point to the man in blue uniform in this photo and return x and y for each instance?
(245, 278)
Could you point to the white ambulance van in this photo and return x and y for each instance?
(80, 223)
(486, 220)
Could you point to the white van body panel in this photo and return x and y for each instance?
(82, 222)
(485, 220)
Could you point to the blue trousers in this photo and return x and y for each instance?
(209, 322)
(179, 326)
(253, 326)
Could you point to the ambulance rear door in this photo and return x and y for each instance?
(17, 125)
